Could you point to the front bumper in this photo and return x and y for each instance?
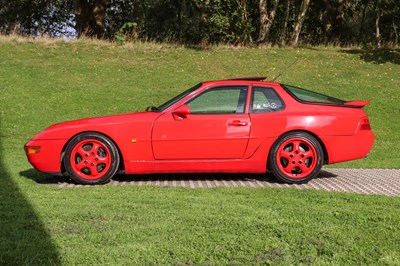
(48, 159)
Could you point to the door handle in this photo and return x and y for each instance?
(237, 123)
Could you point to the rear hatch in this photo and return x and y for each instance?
(310, 97)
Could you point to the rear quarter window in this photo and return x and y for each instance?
(265, 99)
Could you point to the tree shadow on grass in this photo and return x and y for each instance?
(23, 238)
(377, 56)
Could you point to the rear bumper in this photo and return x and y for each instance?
(49, 158)
(347, 148)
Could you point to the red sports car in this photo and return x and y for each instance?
(236, 125)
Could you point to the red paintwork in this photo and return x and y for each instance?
(357, 103)
(176, 141)
(200, 137)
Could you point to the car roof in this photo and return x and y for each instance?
(257, 79)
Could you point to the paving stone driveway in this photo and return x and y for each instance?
(362, 181)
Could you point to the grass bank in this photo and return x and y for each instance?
(49, 81)
(44, 82)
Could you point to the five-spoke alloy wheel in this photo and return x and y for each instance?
(296, 157)
(91, 158)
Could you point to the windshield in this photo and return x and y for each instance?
(310, 96)
(177, 98)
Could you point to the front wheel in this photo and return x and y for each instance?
(296, 158)
(91, 158)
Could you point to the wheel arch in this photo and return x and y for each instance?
(326, 155)
(121, 161)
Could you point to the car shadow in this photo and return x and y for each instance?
(228, 177)
(377, 56)
(47, 179)
(23, 237)
(217, 177)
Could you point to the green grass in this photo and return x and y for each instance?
(42, 83)
(149, 225)
(48, 82)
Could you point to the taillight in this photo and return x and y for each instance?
(364, 124)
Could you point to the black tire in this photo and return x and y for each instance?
(91, 158)
(295, 158)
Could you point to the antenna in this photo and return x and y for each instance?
(286, 69)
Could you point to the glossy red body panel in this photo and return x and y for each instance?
(49, 158)
(160, 142)
(191, 138)
(346, 148)
(358, 103)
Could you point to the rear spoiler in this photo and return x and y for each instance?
(357, 104)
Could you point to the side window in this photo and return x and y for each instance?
(220, 100)
(265, 100)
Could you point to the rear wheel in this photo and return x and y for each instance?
(91, 158)
(295, 158)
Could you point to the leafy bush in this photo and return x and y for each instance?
(125, 33)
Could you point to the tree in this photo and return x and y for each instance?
(266, 19)
(90, 17)
(344, 22)
(50, 17)
(245, 34)
(202, 8)
(364, 4)
(299, 23)
(384, 9)
(285, 23)
(378, 37)
(333, 18)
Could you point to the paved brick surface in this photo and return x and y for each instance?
(362, 181)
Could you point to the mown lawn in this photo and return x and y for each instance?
(44, 82)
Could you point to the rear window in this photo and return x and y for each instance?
(307, 96)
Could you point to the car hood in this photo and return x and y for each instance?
(66, 130)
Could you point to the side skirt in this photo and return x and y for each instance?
(195, 166)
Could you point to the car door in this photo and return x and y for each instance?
(217, 127)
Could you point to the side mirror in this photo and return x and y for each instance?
(181, 112)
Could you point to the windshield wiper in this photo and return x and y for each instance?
(152, 109)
